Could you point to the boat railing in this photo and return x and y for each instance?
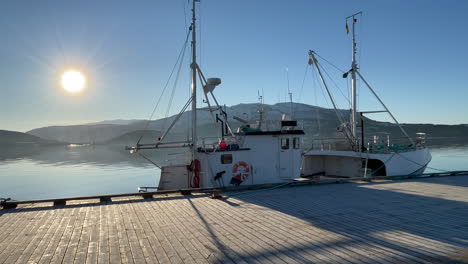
(329, 144)
(210, 144)
(375, 144)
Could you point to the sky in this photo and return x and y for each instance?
(413, 53)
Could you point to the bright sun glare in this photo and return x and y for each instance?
(73, 81)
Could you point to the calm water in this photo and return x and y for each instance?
(92, 170)
(77, 170)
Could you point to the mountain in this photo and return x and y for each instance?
(117, 122)
(19, 138)
(92, 133)
(19, 145)
(318, 122)
(130, 138)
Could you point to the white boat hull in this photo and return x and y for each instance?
(263, 158)
(353, 164)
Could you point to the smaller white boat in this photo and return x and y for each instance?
(352, 153)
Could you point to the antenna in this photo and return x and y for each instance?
(260, 109)
(290, 95)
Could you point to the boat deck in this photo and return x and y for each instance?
(419, 220)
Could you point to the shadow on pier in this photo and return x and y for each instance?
(413, 218)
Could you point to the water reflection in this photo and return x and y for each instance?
(449, 158)
(97, 155)
(74, 170)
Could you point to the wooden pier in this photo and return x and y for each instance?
(385, 221)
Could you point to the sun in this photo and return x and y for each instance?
(73, 81)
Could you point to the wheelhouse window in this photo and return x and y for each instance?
(226, 159)
(296, 143)
(285, 143)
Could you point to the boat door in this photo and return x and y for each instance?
(285, 157)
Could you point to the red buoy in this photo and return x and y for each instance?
(222, 144)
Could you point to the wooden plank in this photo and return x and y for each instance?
(365, 252)
(62, 246)
(93, 246)
(114, 248)
(29, 248)
(20, 223)
(174, 212)
(51, 248)
(330, 223)
(337, 223)
(8, 221)
(37, 225)
(45, 240)
(103, 249)
(127, 217)
(152, 235)
(228, 235)
(124, 245)
(143, 232)
(82, 246)
(241, 227)
(72, 246)
(158, 226)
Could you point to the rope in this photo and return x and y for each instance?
(417, 163)
(260, 190)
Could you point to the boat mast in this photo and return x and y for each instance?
(194, 68)
(353, 79)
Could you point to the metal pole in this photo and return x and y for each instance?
(353, 118)
(194, 83)
(362, 133)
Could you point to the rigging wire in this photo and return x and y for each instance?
(335, 84)
(337, 110)
(360, 34)
(317, 112)
(185, 14)
(148, 159)
(317, 82)
(334, 66)
(176, 118)
(302, 86)
(200, 25)
(303, 81)
(165, 87)
(174, 86)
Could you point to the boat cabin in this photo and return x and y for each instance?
(254, 157)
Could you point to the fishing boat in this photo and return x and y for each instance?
(354, 153)
(249, 155)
